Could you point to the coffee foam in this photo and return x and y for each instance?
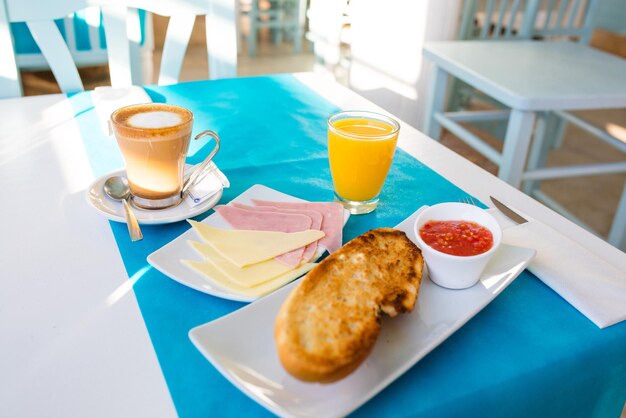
(154, 119)
(151, 116)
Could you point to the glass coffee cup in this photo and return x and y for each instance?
(154, 139)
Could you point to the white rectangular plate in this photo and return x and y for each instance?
(241, 345)
(167, 259)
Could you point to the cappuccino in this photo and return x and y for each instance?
(153, 139)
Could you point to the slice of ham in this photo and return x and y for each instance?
(268, 221)
(332, 225)
(316, 217)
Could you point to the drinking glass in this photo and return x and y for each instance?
(361, 146)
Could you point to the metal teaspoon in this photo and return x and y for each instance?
(117, 189)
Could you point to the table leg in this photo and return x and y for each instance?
(617, 234)
(517, 140)
(538, 149)
(435, 103)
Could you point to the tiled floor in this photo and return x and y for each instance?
(591, 199)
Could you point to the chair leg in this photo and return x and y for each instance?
(252, 35)
(147, 67)
(459, 95)
(300, 14)
(277, 31)
(518, 134)
(617, 234)
(538, 151)
(454, 102)
(557, 131)
(435, 103)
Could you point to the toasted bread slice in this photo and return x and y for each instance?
(331, 320)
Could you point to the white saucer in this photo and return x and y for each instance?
(114, 210)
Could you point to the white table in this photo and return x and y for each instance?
(528, 77)
(74, 341)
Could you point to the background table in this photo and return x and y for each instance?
(82, 339)
(528, 77)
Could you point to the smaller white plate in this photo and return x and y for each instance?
(255, 369)
(114, 210)
(167, 259)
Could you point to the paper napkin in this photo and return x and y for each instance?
(213, 182)
(108, 99)
(589, 283)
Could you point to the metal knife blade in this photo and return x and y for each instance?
(510, 213)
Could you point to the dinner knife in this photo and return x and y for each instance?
(510, 213)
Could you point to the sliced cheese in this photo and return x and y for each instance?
(245, 247)
(249, 276)
(215, 276)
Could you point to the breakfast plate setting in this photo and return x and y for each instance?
(241, 302)
(328, 335)
(257, 369)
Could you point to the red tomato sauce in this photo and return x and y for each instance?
(463, 238)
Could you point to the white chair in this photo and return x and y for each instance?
(281, 16)
(121, 22)
(520, 20)
(221, 34)
(84, 35)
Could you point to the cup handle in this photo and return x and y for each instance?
(197, 174)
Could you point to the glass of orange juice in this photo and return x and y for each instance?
(361, 146)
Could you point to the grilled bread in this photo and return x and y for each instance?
(329, 323)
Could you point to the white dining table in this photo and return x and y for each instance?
(74, 342)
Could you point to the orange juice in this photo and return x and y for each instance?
(360, 152)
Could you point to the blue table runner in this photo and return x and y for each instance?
(273, 129)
